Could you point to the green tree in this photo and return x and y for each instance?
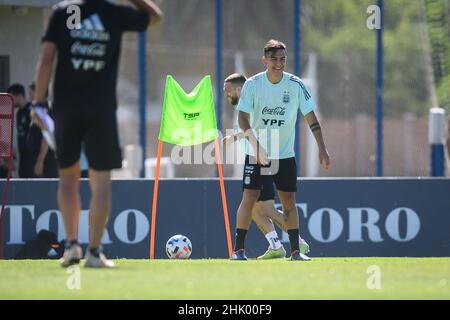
(337, 30)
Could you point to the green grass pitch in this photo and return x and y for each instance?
(211, 279)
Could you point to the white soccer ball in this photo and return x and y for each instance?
(179, 247)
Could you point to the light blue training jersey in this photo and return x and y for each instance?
(273, 112)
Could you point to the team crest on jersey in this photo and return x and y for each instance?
(286, 97)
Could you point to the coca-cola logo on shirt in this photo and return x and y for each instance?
(95, 49)
(277, 111)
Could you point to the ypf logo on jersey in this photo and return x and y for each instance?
(272, 122)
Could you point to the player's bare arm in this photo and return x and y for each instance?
(314, 125)
(150, 7)
(244, 124)
(39, 166)
(44, 70)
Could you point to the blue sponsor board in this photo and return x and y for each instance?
(338, 217)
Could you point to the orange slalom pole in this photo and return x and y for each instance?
(224, 197)
(155, 201)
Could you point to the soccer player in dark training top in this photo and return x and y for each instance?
(84, 106)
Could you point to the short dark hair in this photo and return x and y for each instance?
(273, 45)
(16, 89)
(236, 79)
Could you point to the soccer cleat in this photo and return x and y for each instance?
(97, 262)
(71, 256)
(273, 254)
(297, 255)
(304, 247)
(239, 255)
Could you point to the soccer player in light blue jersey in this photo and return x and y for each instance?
(268, 108)
(264, 212)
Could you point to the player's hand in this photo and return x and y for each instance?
(35, 118)
(228, 140)
(39, 168)
(262, 156)
(324, 158)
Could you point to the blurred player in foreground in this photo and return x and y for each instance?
(85, 106)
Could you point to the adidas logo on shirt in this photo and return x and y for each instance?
(92, 29)
(91, 23)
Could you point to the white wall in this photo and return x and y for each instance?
(20, 38)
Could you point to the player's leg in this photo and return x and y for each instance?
(259, 213)
(286, 182)
(290, 210)
(100, 184)
(69, 199)
(288, 200)
(276, 249)
(244, 217)
(251, 186)
(103, 153)
(100, 206)
(69, 205)
(277, 217)
(68, 142)
(243, 220)
(260, 216)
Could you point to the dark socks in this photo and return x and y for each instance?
(293, 239)
(70, 243)
(95, 252)
(240, 239)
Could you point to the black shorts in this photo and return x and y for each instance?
(267, 191)
(96, 130)
(285, 177)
